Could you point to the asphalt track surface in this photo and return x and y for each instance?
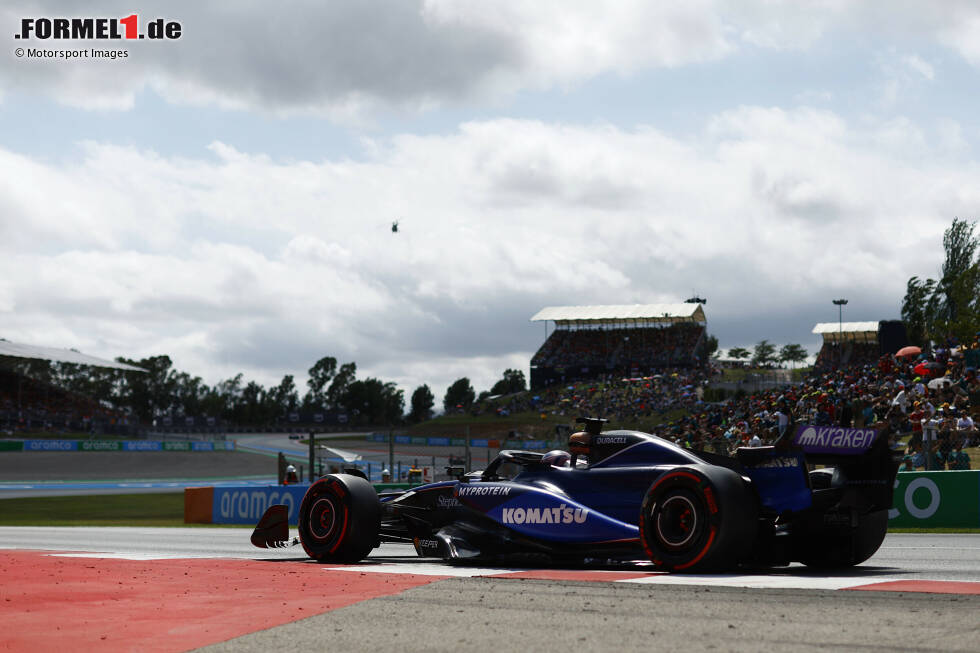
(50, 473)
(178, 589)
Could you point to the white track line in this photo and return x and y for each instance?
(137, 556)
(760, 582)
(426, 569)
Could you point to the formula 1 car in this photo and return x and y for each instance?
(622, 495)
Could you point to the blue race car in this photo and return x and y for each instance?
(622, 495)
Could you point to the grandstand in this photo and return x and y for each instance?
(624, 340)
(30, 400)
(857, 343)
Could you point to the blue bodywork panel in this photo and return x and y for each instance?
(543, 514)
(780, 478)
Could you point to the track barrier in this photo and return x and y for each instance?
(245, 505)
(116, 445)
(948, 499)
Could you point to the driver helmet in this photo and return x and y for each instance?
(580, 443)
(557, 458)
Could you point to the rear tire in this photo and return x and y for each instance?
(339, 519)
(698, 518)
(830, 550)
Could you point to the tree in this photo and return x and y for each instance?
(284, 396)
(959, 285)
(933, 310)
(916, 309)
(764, 354)
(373, 401)
(319, 375)
(513, 381)
(226, 397)
(710, 346)
(252, 407)
(149, 393)
(460, 393)
(338, 387)
(189, 394)
(738, 353)
(97, 383)
(792, 354)
(422, 403)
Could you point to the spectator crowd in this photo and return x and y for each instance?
(29, 406)
(621, 351)
(931, 402)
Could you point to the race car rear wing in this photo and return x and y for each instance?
(863, 458)
(861, 468)
(870, 474)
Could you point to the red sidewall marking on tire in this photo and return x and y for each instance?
(343, 531)
(707, 547)
(74, 604)
(670, 475)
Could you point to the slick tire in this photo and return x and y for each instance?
(698, 518)
(339, 519)
(834, 550)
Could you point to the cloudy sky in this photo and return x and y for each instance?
(226, 198)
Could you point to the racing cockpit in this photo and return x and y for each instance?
(580, 443)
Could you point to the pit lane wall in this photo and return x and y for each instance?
(948, 499)
(115, 445)
(245, 505)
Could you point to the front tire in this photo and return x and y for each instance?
(339, 519)
(698, 518)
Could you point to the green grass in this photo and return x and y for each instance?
(152, 509)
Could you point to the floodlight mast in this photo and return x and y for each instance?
(840, 330)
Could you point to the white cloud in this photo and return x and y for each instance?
(343, 59)
(919, 66)
(962, 30)
(348, 59)
(236, 262)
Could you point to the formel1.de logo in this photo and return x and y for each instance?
(81, 29)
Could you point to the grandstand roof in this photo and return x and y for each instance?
(849, 331)
(663, 313)
(17, 350)
(846, 327)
